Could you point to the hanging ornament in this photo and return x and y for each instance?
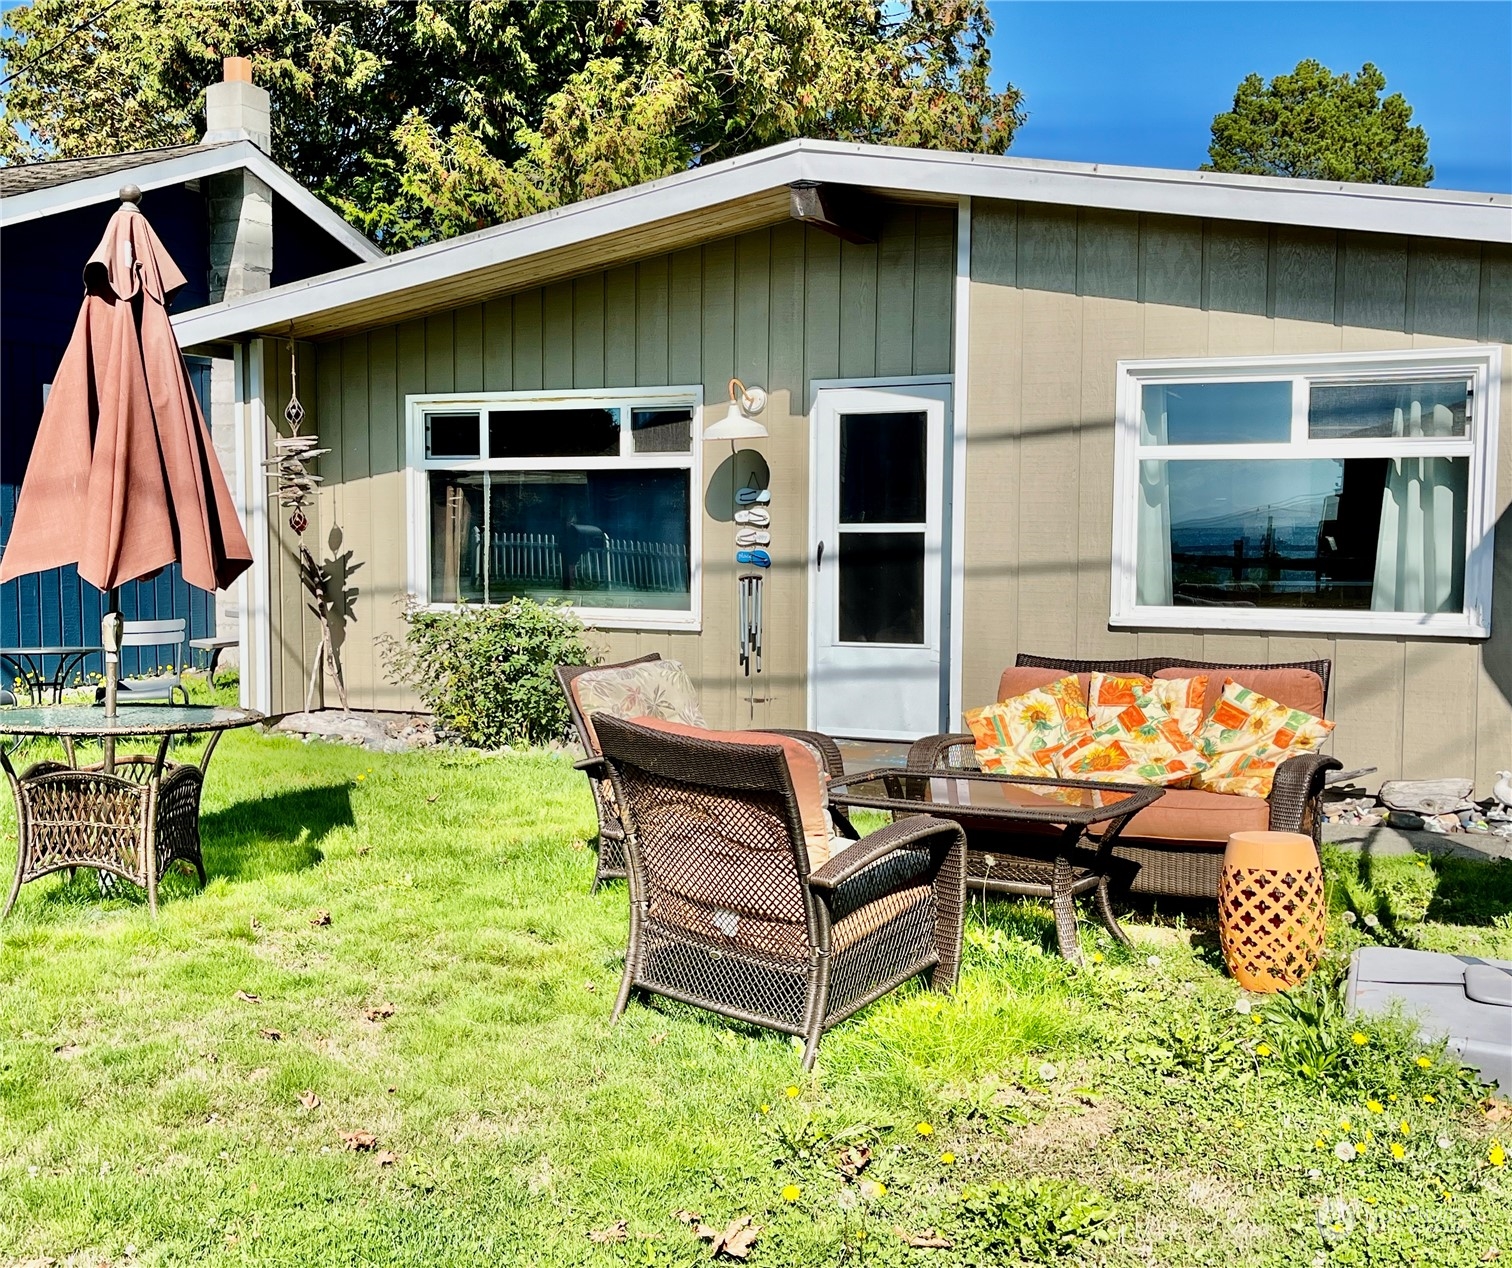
(291, 453)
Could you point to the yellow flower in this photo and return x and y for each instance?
(1360, 1038)
(791, 1193)
(1345, 1125)
(360, 778)
(1368, 1134)
(924, 1129)
(1425, 1063)
(1097, 957)
(1397, 1151)
(1430, 1100)
(948, 1158)
(790, 1092)
(1263, 1050)
(766, 1109)
(1498, 1156)
(1318, 1144)
(1403, 1128)
(1392, 1097)
(1359, 1146)
(1255, 1017)
(1375, 1107)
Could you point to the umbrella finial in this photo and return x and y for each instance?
(131, 194)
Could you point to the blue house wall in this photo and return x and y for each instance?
(41, 287)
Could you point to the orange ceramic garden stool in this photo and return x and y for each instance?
(1271, 909)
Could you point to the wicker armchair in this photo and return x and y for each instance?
(611, 833)
(725, 912)
(134, 822)
(1179, 868)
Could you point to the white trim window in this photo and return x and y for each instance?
(1337, 494)
(584, 497)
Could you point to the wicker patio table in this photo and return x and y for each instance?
(1039, 838)
(133, 819)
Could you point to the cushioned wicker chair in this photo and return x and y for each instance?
(611, 833)
(1174, 847)
(725, 912)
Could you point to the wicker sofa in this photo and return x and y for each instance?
(1175, 847)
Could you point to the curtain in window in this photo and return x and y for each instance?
(1152, 558)
(1420, 555)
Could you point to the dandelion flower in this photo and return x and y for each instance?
(924, 1129)
(1360, 1147)
(791, 1193)
(1375, 1107)
(1420, 863)
(1263, 1050)
(1430, 1100)
(948, 1158)
(1348, 917)
(1048, 1072)
(1243, 1004)
(1097, 957)
(1344, 1151)
(1498, 1156)
(1443, 1142)
(766, 1109)
(1344, 1125)
(871, 1190)
(1372, 922)
(846, 1199)
(1359, 1038)
(361, 777)
(1256, 1018)
(1425, 1063)
(1397, 1151)
(1392, 1097)
(1404, 1128)
(790, 1091)
(1318, 1144)
(1153, 961)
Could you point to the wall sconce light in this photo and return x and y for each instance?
(740, 423)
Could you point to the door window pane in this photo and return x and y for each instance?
(662, 430)
(1216, 413)
(553, 433)
(881, 588)
(451, 435)
(456, 510)
(883, 468)
(1386, 410)
(1373, 534)
(595, 539)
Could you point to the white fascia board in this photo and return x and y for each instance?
(196, 165)
(1266, 200)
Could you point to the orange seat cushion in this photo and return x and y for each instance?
(805, 769)
(1189, 814)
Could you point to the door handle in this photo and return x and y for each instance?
(819, 559)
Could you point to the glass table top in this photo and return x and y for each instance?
(975, 793)
(141, 719)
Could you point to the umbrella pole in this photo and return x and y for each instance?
(110, 639)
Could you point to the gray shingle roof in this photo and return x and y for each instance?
(28, 177)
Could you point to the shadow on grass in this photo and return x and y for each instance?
(278, 833)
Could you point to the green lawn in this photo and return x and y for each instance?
(1128, 1114)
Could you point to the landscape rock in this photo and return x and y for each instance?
(377, 732)
(1428, 796)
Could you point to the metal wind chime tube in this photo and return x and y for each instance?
(750, 622)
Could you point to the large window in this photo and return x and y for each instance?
(1337, 494)
(582, 497)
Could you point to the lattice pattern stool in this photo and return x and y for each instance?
(1271, 909)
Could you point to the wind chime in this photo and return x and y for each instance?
(296, 490)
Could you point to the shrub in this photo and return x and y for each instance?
(485, 672)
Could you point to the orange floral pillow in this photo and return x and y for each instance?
(1248, 736)
(1182, 698)
(1022, 735)
(1136, 738)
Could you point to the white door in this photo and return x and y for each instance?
(874, 569)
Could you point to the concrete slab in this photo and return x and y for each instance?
(1384, 841)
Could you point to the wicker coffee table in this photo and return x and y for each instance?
(1038, 838)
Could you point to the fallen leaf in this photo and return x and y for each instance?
(321, 917)
(433, 798)
(616, 1232)
(258, 1075)
(386, 1158)
(1496, 1111)
(358, 1141)
(393, 1087)
(66, 1050)
(254, 924)
(736, 1240)
(272, 1035)
(853, 1161)
(1493, 1254)
(247, 997)
(44, 1261)
(659, 1038)
(687, 1217)
(929, 1240)
(590, 986)
(309, 1100)
(378, 1012)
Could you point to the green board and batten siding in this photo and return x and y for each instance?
(1058, 297)
(777, 307)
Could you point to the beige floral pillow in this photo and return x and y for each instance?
(650, 689)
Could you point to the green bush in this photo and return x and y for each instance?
(485, 672)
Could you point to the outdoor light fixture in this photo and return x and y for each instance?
(740, 422)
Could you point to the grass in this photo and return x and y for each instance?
(148, 1116)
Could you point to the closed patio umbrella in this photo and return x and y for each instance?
(123, 480)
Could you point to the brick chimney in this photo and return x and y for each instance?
(236, 109)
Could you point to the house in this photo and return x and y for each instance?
(1010, 406)
(235, 222)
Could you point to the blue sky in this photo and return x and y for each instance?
(1139, 83)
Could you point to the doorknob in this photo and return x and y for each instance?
(819, 559)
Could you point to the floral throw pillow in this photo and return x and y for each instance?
(650, 689)
(1022, 735)
(1247, 736)
(1135, 739)
(1182, 698)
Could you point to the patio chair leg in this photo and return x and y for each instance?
(16, 884)
(811, 1046)
(1105, 913)
(632, 959)
(1065, 928)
